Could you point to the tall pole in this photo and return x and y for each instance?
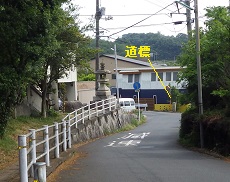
(115, 54)
(188, 19)
(97, 16)
(138, 100)
(200, 99)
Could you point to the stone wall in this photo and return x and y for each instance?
(101, 126)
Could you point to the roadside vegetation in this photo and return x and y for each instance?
(38, 49)
(215, 61)
(20, 126)
(134, 122)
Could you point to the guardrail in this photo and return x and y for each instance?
(37, 145)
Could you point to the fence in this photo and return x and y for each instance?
(38, 145)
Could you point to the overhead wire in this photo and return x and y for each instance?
(145, 14)
(140, 20)
(137, 26)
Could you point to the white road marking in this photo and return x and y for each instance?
(126, 143)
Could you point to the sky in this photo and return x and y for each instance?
(125, 13)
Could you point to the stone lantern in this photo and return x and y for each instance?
(103, 92)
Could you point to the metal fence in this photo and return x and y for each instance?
(41, 145)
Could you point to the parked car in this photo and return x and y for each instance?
(127, 104)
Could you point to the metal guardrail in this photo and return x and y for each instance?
(37, 145)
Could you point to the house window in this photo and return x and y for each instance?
(130, 78)
(175, 76)
(168, 76)
(113, 76)
(136, 78)
(161, 76)
(153, 77)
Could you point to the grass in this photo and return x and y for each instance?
(134, 123)
(19, 126)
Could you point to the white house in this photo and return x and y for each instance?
(151, 86)
(33, 99)
(70, 79)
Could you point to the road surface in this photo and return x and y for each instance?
(149, 153)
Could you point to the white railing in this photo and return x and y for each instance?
(37, 145)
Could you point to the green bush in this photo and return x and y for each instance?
(188, 120)
(52, 113)
(216, 129)
(189, 130)
(217, 134)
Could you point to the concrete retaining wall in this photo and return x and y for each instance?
(102, 125)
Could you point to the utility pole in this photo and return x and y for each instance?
(200, 99)
(188, 19)
(115, 54)
(97, 16)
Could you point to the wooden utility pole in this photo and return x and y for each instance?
(188, 19)
(199, 80)
(97, 16)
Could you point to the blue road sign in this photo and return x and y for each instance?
(136, 85)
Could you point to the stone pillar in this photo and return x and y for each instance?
(103, 92)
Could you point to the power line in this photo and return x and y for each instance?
(137, 26)
(129, 14)
(140, 20)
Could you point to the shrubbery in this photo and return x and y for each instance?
(216, 129)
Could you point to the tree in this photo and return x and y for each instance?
(25, 42)
(166, 47)
(35, 35)
(215, 60)
(72, 49)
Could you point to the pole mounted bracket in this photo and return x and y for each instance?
(183, 4)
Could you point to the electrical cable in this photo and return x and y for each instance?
(137, 26)
(141, 20)
(129, 14)
(155, 4)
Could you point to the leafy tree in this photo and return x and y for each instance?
(35, 35)
(25, 42)
(215, 59)
(166, 47)
(87, 77)
(72, 49)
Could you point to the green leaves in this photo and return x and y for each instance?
(36, 35)
(215, 59)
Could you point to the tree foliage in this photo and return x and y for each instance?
(165, 47)
(215, 60)
(24, 44)
(35, 36)
(72, 49)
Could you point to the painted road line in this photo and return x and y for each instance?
(125, 143)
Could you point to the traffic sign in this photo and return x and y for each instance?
(136, 85)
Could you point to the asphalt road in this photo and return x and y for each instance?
(149, 153)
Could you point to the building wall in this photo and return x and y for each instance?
(145, 81)
(71, 83)
(71, 91)
(33, 102)
(149, 89)
(34, 99)
(70, 76)
(86, 95)
(110, 65)
(159, 95)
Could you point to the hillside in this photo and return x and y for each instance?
(163, 47)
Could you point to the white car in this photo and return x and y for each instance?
(127, 104)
